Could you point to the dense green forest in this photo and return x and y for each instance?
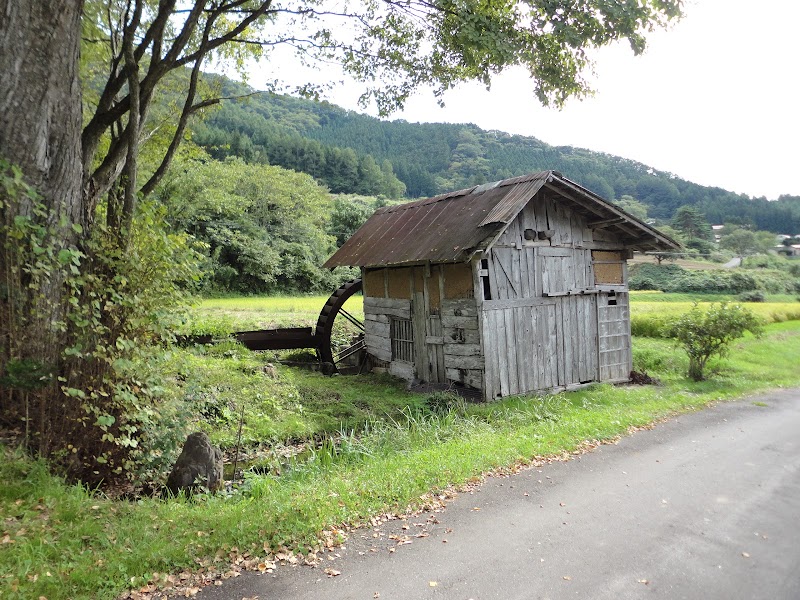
(353, 153)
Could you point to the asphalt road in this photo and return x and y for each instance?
(704, 506)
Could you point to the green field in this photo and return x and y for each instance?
(284, 311)
(244, 313)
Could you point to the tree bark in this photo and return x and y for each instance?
(40, 129)
(40, 98)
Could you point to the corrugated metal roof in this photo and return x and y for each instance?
(450, 227)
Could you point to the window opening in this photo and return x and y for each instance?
(612, 298)
(487, 288)
(402, 335)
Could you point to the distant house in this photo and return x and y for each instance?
(508, 287)
(790, 251)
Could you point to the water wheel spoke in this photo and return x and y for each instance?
(348, 352)
(352, 319)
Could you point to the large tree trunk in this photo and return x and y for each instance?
(40, 129)
(40, 97)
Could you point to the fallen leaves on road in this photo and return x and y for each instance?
(332, 572)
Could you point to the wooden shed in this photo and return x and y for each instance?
(508, 287)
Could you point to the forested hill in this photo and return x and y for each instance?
(354, 153)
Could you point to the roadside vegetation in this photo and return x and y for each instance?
(319, 455)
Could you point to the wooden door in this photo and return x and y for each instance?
(429, 352)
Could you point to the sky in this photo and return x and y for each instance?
(714, 100)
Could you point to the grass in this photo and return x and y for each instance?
(245, 313)
(383, 450)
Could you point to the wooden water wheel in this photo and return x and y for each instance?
(332, 316)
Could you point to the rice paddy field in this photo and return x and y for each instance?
(269, 312)
(243, 313)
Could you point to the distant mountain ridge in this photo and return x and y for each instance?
(355, 153)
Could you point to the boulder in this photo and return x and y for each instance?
(200, 464)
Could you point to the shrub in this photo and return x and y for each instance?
(653, 277)
(704, 334)
(753, 296)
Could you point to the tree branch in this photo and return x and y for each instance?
(131, 159)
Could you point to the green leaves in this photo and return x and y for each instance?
(264, 227)
(706, 333)
(446, 42)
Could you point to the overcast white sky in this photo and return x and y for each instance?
(715, 100)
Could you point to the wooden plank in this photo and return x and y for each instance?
(524, 273)
(402, 313)
(588, 344)
(457, 336)
(490, 351)
(578, 224)
(518, 303)
(511, 351)
(502, 350)
(544, 273)
(503, 263)
(462, 350)
(539, 270)
(559, 328)
(378, 348)
(370, 302)
(538, 372)
(564, 229)
(419, 326)
(569, 335)
(434, 341)
(533, 363)
(376, 318)
(463, 362)
(459, 308)
(378, 341)
(377, 328)
(522, 316)
(555, 252)
(461, 322)
(532, 275)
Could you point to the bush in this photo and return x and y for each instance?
(704, 334)
(753, 296)
(672, 278)
(653, 277)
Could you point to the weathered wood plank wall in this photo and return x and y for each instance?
(377, 312)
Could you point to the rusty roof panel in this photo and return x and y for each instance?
(515, 199)
(449, 227)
